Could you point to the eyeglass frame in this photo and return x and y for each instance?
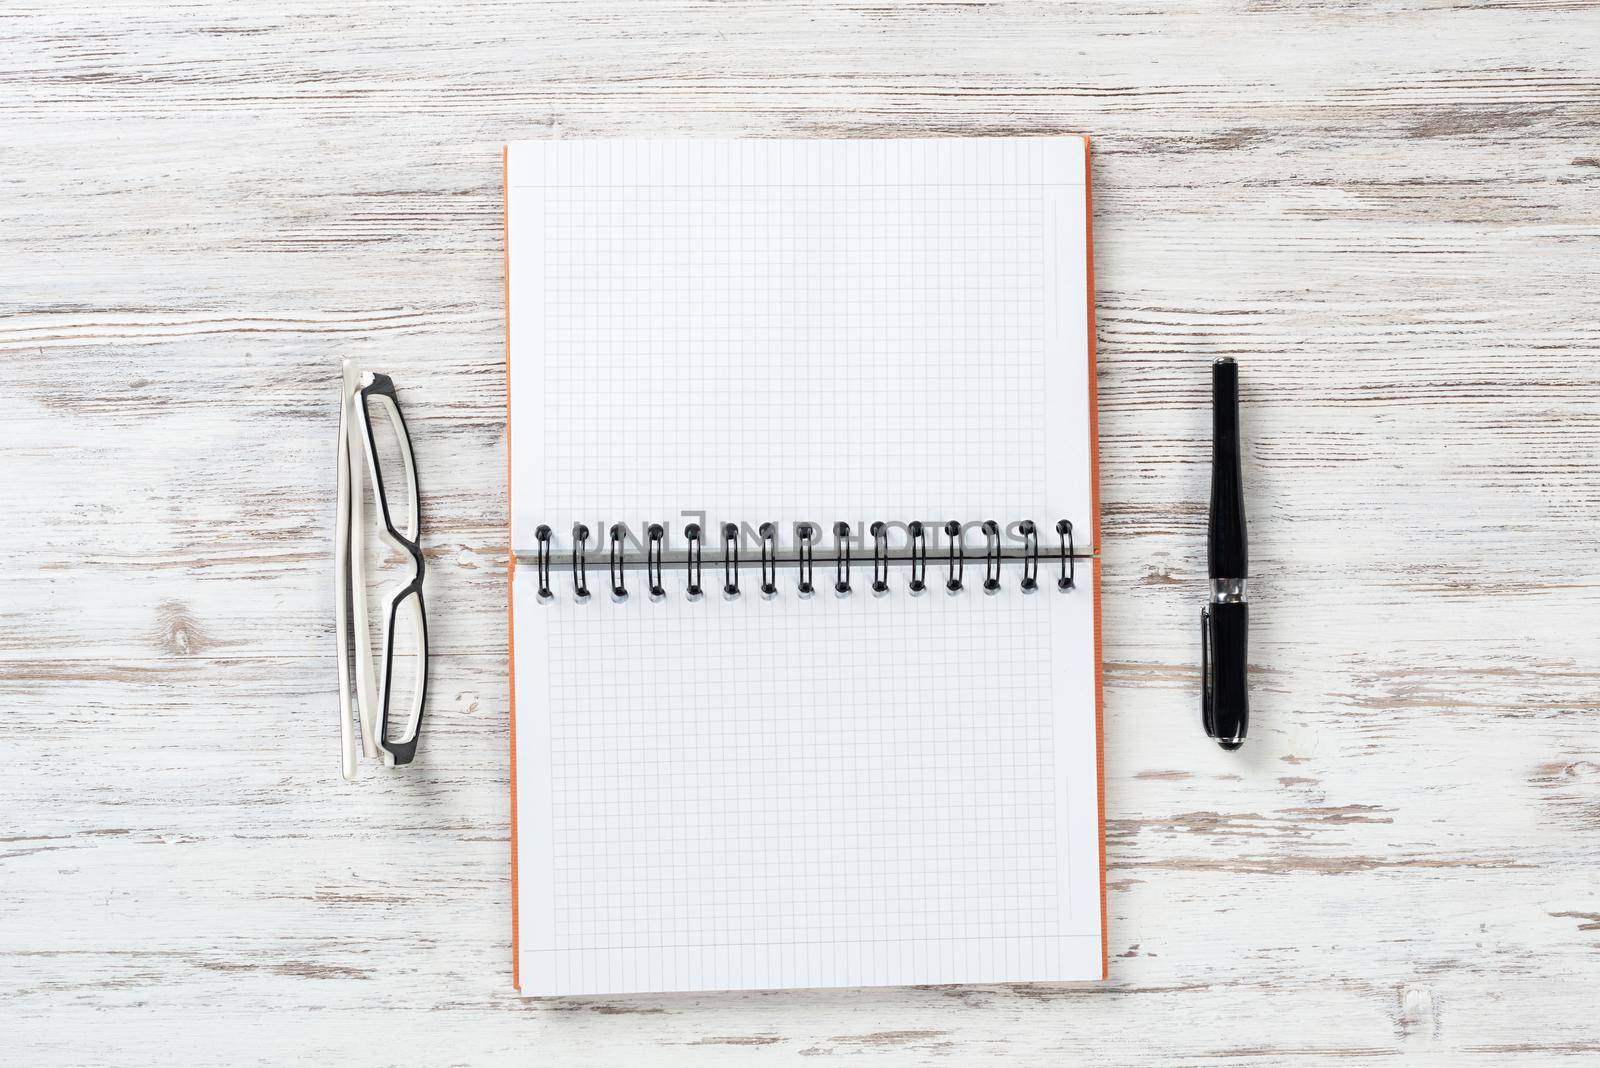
(381, 386)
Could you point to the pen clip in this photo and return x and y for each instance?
(1206, 695)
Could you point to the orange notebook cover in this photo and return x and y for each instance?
(761, 788)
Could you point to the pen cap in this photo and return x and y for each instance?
(1226, 556)
(1224, 684)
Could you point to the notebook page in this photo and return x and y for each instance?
(788, 793)
(756, 331)
(801, 792)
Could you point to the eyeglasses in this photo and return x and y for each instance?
(390, 718)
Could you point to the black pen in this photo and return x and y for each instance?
(1225, 621)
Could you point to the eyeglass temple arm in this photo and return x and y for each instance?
(341, 579)
(366, 682)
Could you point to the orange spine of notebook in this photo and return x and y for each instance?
(511, 567)
(1094, 497)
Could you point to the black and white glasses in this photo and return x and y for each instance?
(389, 695)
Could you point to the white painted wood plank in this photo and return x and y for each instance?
(1387, 214)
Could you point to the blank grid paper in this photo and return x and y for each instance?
(797, 330)
(801, 792)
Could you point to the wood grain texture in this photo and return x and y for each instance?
(1387, 212)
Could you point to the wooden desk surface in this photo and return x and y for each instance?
(1387, 214)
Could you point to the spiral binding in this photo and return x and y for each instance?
(730, 561)
(619, 581)
(958, 557)
(580, 562)
(769, 560)
(1030, 559)
(803, 532)
(914, 552)
(880, 559)
(991, 556)
(692, 533)
(652, 561)
(1069, 564)
(919, 558)
(543, 534)
(841, 559)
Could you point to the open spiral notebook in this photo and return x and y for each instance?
(756, 788)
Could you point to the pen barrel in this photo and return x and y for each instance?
(1227, 711)
(1226, 556)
